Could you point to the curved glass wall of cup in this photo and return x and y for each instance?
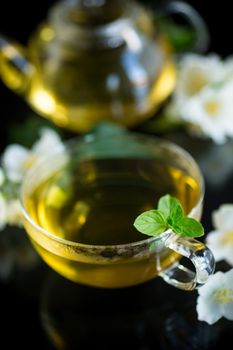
(109, 157)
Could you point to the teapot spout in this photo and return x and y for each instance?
(15, 68)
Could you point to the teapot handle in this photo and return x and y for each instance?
(202, 41)
(15, 68)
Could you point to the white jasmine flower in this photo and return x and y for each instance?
(3, 212)
(2, 177)
(203, 97)
(13, 161)
(195, 72)
(49, 140)
(17, 159)
(6, 264)
(215, 298)
(10, 212)
(220, 240)
(14, 213)
(210, 112)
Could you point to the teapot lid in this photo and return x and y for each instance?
(95, 23)
(90, 12)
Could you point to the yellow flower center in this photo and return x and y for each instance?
(227, 238)
(29, 161)
(223, 295)
(195, 83)
(212, 107)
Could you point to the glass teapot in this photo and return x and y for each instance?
(95, 60)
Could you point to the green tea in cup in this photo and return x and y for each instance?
(80, 203)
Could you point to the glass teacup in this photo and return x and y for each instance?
(80, 202)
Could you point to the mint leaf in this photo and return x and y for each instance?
(188, 227)
(169, 214)
(151, 223)
(171, 208)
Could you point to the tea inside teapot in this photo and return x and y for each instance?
(92, 61)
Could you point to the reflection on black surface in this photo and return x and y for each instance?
(150, 316)
(17, 257)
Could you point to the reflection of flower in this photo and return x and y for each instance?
(16, 254)
(220, 241)
(16, 160)
(215, 298)
(203, 98)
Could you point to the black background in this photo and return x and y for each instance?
(19, 306)
(18, 19)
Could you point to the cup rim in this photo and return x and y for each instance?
(88, 138)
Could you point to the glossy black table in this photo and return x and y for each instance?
(41, 310)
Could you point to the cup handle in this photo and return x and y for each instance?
(202, 41)
(202, 258)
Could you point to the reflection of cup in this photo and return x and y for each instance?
(146, 316)
(80, 204)
(75, 316)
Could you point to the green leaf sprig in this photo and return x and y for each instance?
(168, 215)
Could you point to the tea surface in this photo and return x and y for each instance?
(97, 202)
